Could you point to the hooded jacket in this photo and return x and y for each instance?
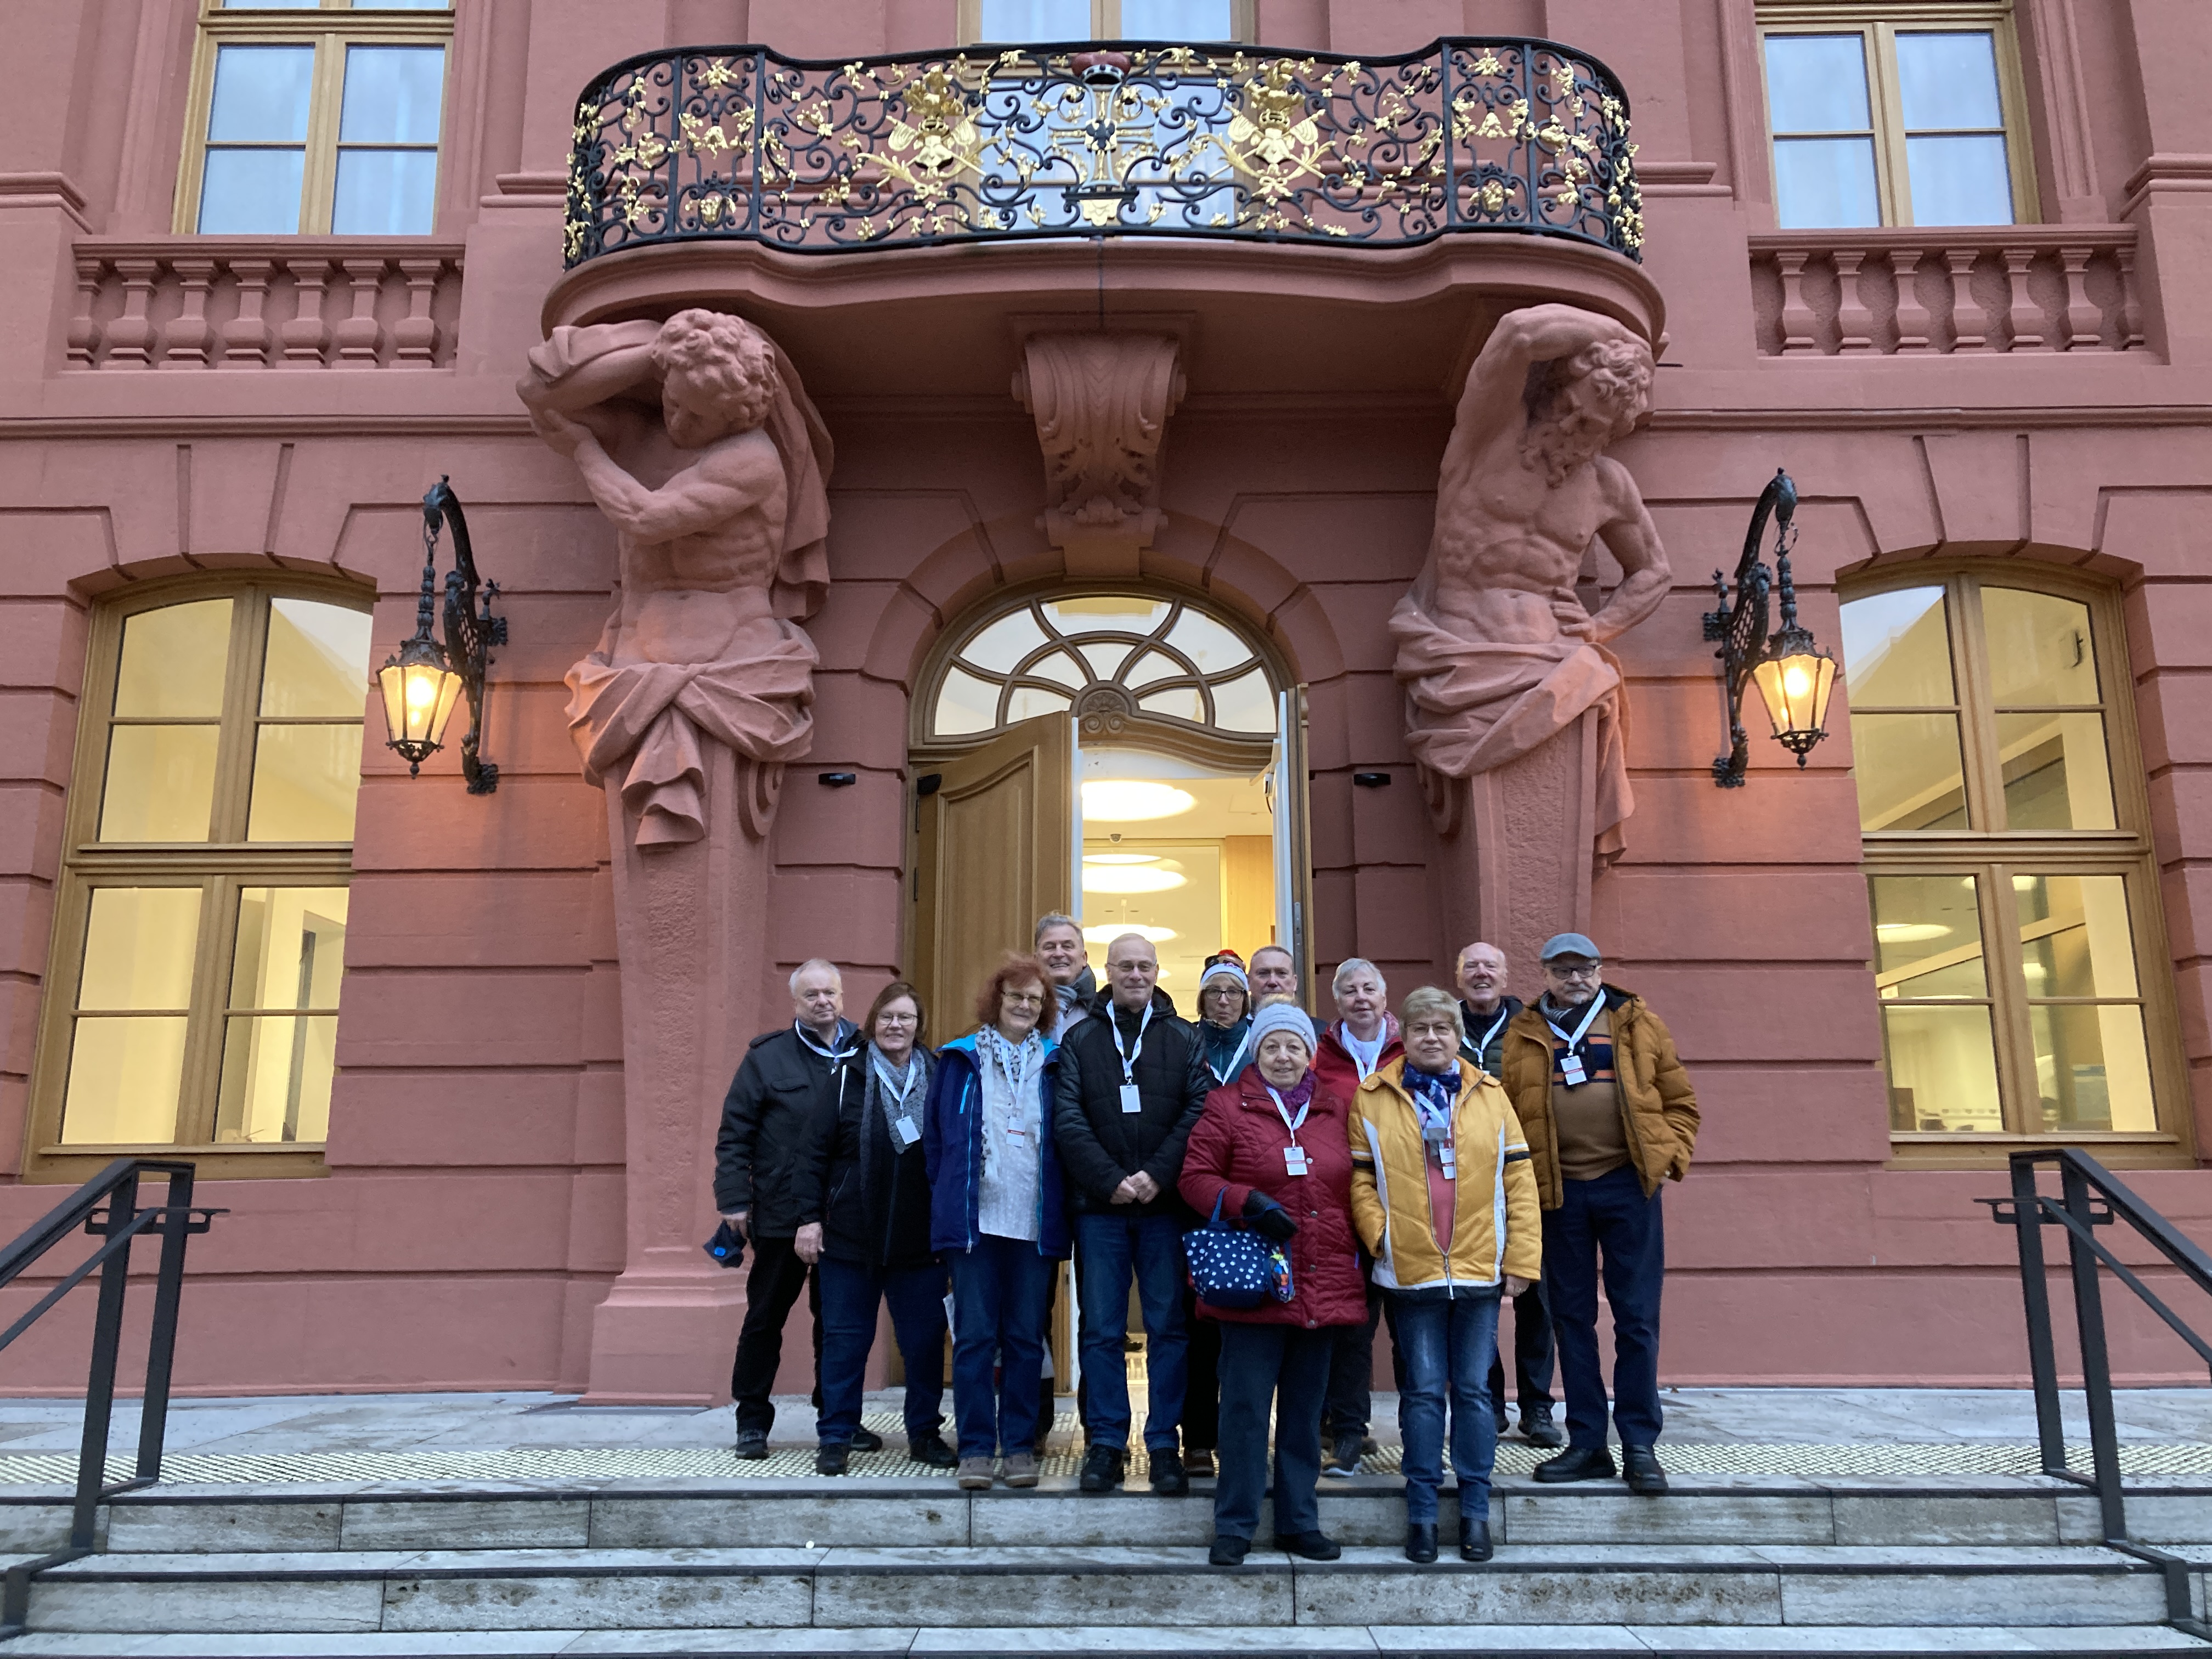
(1659, 1108)
(1495, 1226)
(953, 1150)
(1101, 1145)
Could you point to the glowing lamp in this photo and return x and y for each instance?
(422, 684)
(1794, 676)
(1794, 681)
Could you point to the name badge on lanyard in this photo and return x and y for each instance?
(906, 1131)
(1131, 1100)
(1572, 1072)
(1294, 1155)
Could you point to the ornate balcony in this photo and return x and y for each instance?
(1518, 136)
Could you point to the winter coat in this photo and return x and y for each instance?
(1238, 1146)
(1335, 1061)
(1659, 1108)
(952, 1148)
(870, 1196)
(1101, 1145)
(1495, 1228)
(768, 1123)
(1488, 1058)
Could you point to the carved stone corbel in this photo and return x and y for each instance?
(1101, 403)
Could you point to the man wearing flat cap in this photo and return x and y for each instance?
(1609, 1114)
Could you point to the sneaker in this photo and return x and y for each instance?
(1343, 1461)
(976, 1474)
(1168, 1478)
(832, 1459)
(1103, 1468)
(752, 1444)
(1538, 1429)
(931, 1449)
(1198, 1463)
(1021, 1468)
(866, 1440)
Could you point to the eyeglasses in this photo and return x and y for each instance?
(896, 1019)
(1588, 970)
(1023, 999)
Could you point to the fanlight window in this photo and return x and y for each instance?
(1141, 654)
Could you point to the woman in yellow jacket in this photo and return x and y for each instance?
(1444, 1197)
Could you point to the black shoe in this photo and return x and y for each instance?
(1343, 1459)
(1538, 1429)
(1421, 1541)
(1169, 1477)
(866, 1440)
(831, 1460)
(752, 1444)
(931, 1449)
(1641, 1465)
(1313, 1545)
(1198, 1463)
(1228, 1552)
(1103, 1468)
(1474, 1540)
(1578, 1463)
(1503, 1423)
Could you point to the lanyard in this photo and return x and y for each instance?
(1482, 1043)
(1293, 1124)
(834, 1055)
(1574, 1042)
(1129, 1060)
(1365, 1055)
(899, 1089)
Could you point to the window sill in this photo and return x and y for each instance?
(2115, 1149)
(228, 1161)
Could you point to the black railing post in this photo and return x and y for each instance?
(2096, 1361)
(100, 1378)
(161, 1343)
(2035, 1293)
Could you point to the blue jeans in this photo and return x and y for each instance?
(1000, 1290)
(851, 1292)
(1115, 1249)
(1610, 1217)
(1284, 1366)
(1448, 1344)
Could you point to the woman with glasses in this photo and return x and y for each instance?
(996, 1212)
(863, 1227)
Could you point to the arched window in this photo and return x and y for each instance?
(1129, 652)
(2018, 955)
(200, 931)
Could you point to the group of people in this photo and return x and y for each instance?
(1416, 1168)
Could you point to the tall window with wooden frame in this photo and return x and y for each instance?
(199, 931)
(2019, 955)
(1899, 113)
(317, 117)
(1013, 21)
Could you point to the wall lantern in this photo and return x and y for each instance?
(1794, 676)
(423, 682)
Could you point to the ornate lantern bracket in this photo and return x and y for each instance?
(1794, 676)
(422, 683)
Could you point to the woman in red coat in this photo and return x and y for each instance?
(1272, 1147)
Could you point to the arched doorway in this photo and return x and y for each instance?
(1133, 757)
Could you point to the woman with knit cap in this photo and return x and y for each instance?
(1445, 1200)
(1271, 1150)
(1225, 1013)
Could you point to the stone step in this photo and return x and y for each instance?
(1986, 1510)
(963, 1589)
(1119, 1642)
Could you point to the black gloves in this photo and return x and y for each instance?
(1269, 1219)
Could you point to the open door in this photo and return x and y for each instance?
(1287, 795)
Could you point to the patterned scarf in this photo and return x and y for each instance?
(1433, 1095)
(1016, 1065)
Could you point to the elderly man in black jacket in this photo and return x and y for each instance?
(769, 1123)
(1133, 1080)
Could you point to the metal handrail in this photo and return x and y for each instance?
(2091, 1196)
(106, 1206)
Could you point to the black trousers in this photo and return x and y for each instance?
(772, 1288)
(1201, 1397)
(1532, 1355)
(1351, 1404)
(1286, 1367)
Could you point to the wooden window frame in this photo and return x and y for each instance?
(219, 867)
(330, 27)
(1878, 22)
(1995, 855)
(1106, 22)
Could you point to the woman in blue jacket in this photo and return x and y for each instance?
(995, 1211)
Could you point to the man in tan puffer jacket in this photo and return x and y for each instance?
(1609, 1114)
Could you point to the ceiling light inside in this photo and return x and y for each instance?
(1127, 878)
(1121, 858)
(1910, 932)
(1108, 934)
(1129, 800)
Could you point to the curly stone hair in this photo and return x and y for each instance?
(723, 357)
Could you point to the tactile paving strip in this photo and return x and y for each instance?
(605, 1463)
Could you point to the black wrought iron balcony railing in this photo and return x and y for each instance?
(1117, 139)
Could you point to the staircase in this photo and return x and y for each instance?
(1744, 1564)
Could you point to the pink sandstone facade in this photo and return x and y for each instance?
(1996, 400)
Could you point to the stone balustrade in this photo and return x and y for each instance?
(316, 302)
(1946, 289)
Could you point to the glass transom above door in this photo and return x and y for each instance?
(1144, 654)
